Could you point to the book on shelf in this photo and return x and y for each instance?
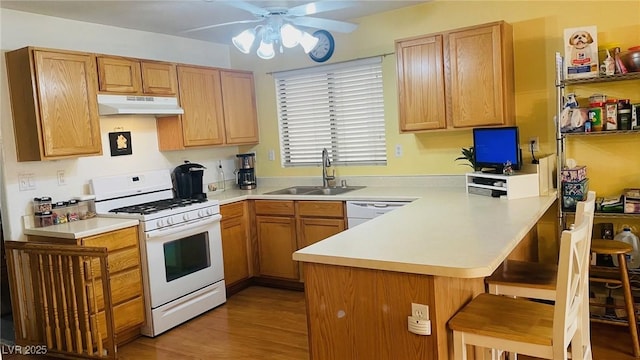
(611, 204)
(631, 200)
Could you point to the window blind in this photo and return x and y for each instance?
(339, 107)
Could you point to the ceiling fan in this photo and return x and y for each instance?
(277, 26)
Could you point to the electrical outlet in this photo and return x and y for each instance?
(398, 150)
(534, 143)
(272, 155)
(420, 311)
(62, 179)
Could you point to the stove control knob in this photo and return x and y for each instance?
(209, 211)
(169, 221)
(160, 223)
(186, 217)
(201, 213)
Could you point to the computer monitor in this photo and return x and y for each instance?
(493, 147)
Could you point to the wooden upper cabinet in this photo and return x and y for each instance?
(481, 61)
(159, 78)
(201, 99)
(54, 103)
(219, 109)
(421, 91)
(133, 76)
(461, 78)
(239, 104)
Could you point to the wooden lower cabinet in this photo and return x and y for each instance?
(283, 227)
(276, 244)
(125, 279)
(235, 243)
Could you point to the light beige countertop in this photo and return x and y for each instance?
(82, 228)
(444, 232)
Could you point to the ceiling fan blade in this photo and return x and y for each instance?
(319, 23)
(317, 7)
(255, 10)
(223, 24)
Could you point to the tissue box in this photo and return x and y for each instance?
(575, 174)
(581, 52)
(572, 192)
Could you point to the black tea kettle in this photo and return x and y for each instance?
(187, 181)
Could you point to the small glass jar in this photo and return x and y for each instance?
(86, 206)
(72, 210)
(60, 212)
(43, 218)
(41, 204)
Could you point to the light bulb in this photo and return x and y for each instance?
(244, 40)
(290, 35)
(265, 51)
(308, 42)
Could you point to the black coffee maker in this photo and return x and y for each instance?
(187, 181)
(246, 174)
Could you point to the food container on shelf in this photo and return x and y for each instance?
(631, 59)
(72, 210)
(59, 212)
(86, 206)
(42, 218)
(595, 115)
(41, 204)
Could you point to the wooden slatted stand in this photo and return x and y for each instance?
(54, 309)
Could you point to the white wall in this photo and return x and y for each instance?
(19, 29)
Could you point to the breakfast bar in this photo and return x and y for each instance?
(435, 251)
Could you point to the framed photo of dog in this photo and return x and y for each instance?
(581, 52)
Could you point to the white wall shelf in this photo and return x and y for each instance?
(508, 186)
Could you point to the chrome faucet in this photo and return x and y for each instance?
(325, 164)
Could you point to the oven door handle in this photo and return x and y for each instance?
(183, 227)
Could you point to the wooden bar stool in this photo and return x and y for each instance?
(619, 248)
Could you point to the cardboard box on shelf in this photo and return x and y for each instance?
(581, 52)
(574, 174)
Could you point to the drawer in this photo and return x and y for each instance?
(125, 316)
(333, 209)
(113, 240)
(232, 210)
(274, 207)
(124, 286)
(118, 261)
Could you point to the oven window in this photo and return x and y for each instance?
(187, 255)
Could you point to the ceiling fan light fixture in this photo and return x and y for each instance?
(290, 35)
(308, 42)
(244, 40)
(265, 50)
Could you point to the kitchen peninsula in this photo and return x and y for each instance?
(360, 284)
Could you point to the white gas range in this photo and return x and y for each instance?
(180, 245)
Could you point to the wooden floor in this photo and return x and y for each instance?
(264, 323)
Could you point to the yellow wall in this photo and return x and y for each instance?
(537, 30)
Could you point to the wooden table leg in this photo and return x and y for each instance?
(628, 301)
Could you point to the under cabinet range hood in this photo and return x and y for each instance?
(141, 105)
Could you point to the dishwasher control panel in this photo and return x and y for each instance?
(361, 211)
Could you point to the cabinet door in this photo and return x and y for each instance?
(119, 75)
(201, 99)
(159, 78)
(276, 244)
(481, 76)
(421, 89)
(235, 250)
(69, 120)
(239, 101)
(312, 230)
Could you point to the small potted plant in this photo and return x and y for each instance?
(468, 155)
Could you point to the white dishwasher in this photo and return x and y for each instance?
(362, 211)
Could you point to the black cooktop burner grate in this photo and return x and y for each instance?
(156, 206)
